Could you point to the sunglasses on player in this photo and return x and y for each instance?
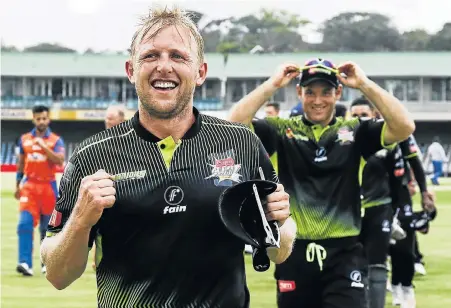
(316, 63)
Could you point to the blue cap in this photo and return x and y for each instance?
(297, 110)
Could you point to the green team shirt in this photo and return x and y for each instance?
(163, 244)
(320, 169)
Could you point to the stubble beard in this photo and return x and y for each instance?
(151, 105)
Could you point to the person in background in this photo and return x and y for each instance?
(341, 111)
(272, 109)
(437, 155)
(115, 114)
(40, 151)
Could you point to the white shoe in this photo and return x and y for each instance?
(24, 269)
(408, 294)
(44, 269)
(419, 269)
(397, 295)
(248, 249)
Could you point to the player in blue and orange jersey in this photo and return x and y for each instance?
(40, 152)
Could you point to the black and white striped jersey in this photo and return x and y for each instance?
(162, 244)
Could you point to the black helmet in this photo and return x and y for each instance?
(241, 208)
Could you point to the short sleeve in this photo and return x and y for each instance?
(266, 133)
(67, 198)
(370, 137)
(265, 166)
(59, 146)
(409, 148)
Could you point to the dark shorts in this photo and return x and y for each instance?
(403, 252)
(375, 234)
(301, 282)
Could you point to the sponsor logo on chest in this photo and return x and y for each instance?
(173, 196)
(133, 175)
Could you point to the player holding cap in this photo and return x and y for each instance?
(147, 190)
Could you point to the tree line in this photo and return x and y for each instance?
(277, 31)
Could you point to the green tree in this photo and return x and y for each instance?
(48, 47)
(441, 41)
(360, 31)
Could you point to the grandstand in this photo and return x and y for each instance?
(78, 88)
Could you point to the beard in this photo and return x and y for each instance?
(156, 108)
(41, 128)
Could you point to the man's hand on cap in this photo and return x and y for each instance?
(278, 207)
(284, 74)
(355, 76)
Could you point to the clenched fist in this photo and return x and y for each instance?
(96, 193)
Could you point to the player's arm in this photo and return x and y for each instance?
(72, 227)
(20, 168)
(399, 124)
(278, 209)
(244, 111)
(287, 237)
(65, 249)
(370, 137)
(55, 155)
(409, 150)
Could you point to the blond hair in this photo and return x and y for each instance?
(166, 17)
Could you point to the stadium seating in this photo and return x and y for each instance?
(7, 153)
(209, 104)
(8, 157)
(74, 103)
(86, 103)
(19, 102)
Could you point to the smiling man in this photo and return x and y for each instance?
(147, 190)
(318, 162)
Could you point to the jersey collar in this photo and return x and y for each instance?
(148, 136)
(308, 123)
(46, 135)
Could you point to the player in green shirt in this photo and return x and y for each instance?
(319, 157)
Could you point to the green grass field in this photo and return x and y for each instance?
(433, 290)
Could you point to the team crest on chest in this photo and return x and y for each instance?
(291, 135)
(224, 169)
(345, 136)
